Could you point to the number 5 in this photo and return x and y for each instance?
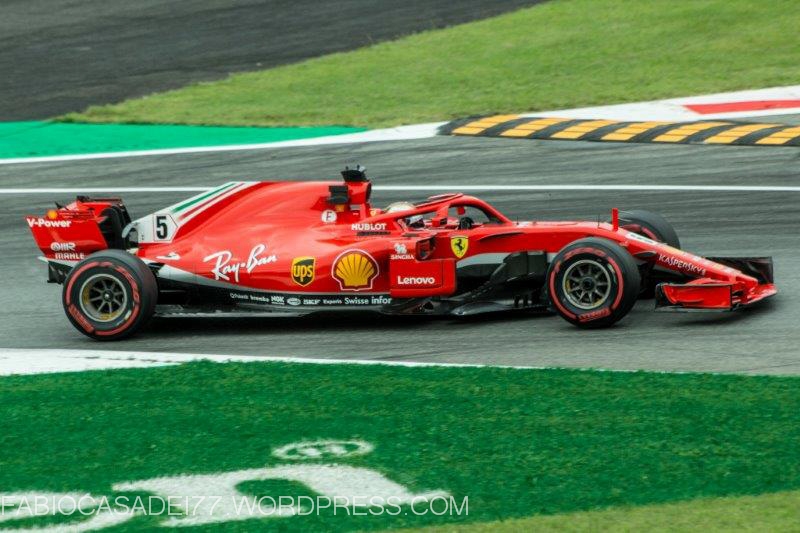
(162, 229)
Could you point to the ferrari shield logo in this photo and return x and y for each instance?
(303, 270)
(459, 245)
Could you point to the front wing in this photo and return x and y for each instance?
(702, 295)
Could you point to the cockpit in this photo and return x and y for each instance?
(460, 212)
(452, 211)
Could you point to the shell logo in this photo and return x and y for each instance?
(355, 270)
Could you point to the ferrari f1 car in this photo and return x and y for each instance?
(294, 248)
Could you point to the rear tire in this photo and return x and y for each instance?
(593, 282)
(110, 295)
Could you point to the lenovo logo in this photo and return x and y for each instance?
(416, 281)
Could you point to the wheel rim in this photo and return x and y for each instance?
(103, 298)
(586, 284)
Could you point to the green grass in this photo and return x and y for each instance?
(772, 512)
(515, 442)
(563, 53)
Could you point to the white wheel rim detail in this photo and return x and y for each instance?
(586, 284)
(103, 298)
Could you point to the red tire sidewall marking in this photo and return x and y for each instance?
(650, 234)
(597, 253)
(638, 228)
(585, 250)
(556, 298)
(635, 228)
(134, 287)
(74, 277)
(80, 316)
(620, 282)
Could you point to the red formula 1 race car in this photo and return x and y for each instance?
(294, 248)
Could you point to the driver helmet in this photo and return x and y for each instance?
(415, 221)
(396, 207)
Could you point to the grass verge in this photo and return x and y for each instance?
(770, 512)
(37, 139)
(515, 443)
(560, 54)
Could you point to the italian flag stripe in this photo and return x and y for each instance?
(191, 201)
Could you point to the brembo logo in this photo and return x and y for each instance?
(416, 281)
(44, 223)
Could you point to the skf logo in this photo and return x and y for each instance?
(303, 270)
(355, 270)
(459, 245)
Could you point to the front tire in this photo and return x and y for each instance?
(650, 225)
(655, 227)
(110, 295)
(593, 282)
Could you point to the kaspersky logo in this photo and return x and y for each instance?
(303, 270)
(355, 270)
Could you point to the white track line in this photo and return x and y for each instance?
(76, 190)
(443, 187)
(400, 133)
(42, 361)
(589, 187)
(17, 361)
(20, 361)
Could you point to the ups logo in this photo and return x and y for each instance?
(303, 270)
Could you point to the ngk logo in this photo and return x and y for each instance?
(63, 246)
(44, 223)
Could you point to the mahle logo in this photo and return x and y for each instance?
(303, 270)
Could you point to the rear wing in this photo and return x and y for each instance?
(69, 233)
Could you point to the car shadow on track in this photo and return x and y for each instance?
(321, 323)
(366, 322)
(704, 318)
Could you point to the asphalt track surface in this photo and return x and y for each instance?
(58, 56)
(764, 339)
